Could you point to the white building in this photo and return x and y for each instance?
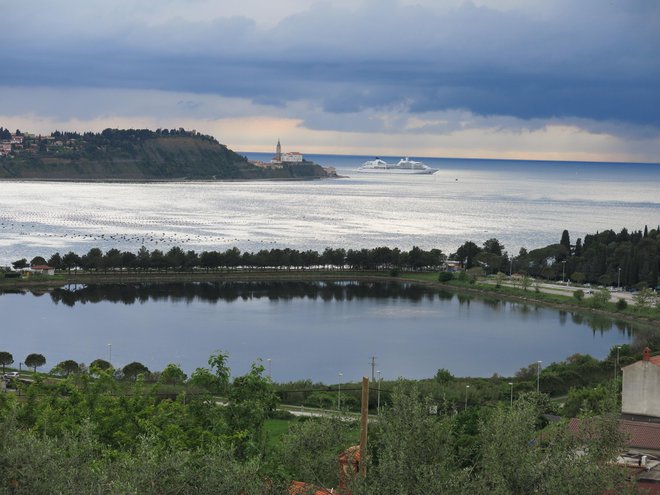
(292, 157)
(641, 386)
(289, 157)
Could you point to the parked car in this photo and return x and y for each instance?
(12, 375)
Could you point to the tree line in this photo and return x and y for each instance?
(626, 259)
(286, 259)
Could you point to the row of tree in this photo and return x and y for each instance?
(607, 258)
(176, 259)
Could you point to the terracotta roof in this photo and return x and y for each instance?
(653, 359)
(41, 267)
(639, 434)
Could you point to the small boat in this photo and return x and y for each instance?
(404, 166)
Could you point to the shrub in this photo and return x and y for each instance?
(578, 294)
(621, 303)
(445, 276)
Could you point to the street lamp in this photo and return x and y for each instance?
(110, 353)
(466, 395)
(270, 368)
(339, 394)
(563, 270)
(378, 401)
(511, 385)
(618, 280)
(538, 376)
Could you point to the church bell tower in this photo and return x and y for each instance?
(278, 152)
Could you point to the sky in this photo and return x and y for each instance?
(522, 79)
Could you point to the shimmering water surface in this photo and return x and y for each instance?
(308, 330)
(520, 203)
(314, 335)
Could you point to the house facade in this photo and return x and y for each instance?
(641, 387)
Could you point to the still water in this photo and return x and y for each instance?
(523, 204)
(307, 330)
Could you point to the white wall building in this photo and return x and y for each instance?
(292, 157)
(641, 386)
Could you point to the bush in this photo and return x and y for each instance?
(445, 276)
(578, 294)
(621, 304)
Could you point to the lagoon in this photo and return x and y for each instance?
(307, 329)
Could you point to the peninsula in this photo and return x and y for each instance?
(134, 155)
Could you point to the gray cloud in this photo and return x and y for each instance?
(589, 60)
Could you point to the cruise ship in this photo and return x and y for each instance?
(405, 166)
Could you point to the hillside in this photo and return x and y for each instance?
(134, 155)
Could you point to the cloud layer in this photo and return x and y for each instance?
(387, 66)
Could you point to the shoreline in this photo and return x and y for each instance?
(62, 280)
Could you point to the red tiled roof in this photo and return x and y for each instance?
(641, 435)
(41, 267)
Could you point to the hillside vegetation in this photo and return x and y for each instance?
(136, 154)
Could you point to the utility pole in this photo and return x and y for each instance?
(373, 368)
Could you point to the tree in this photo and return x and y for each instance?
(251, 399)
(35, 361)
(203, 378)
(37, 260)
(600, 298)
(5, 359)
(67, 367)
(645, 298)
(578, 294)
(55, 261)
(70, 260)
(218, 363)
(565, 240)
(172, 374)
(132, 370)
(100, 365)
(19, 264)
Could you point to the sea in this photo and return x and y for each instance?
(521, 203)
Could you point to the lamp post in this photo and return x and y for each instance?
(270, 368)
(339, 394)
(511, 385)
(618, 279)
(110, 353)
(563, 270)
(510, 267)
(466, 395)
(538, 376)
(378, 401)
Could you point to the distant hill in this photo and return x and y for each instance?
(135, 154)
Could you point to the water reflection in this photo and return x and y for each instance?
(305, 327)
(212, 292)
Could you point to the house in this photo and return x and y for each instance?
(292, 157)
(641, 388)
(42, 270)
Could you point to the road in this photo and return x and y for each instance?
(565, 290)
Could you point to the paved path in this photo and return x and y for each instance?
(565, 290)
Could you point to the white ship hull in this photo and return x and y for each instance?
(401, 171)
(405, 166)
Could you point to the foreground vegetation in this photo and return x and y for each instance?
(92, 432)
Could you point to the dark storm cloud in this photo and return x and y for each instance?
(588, 59)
